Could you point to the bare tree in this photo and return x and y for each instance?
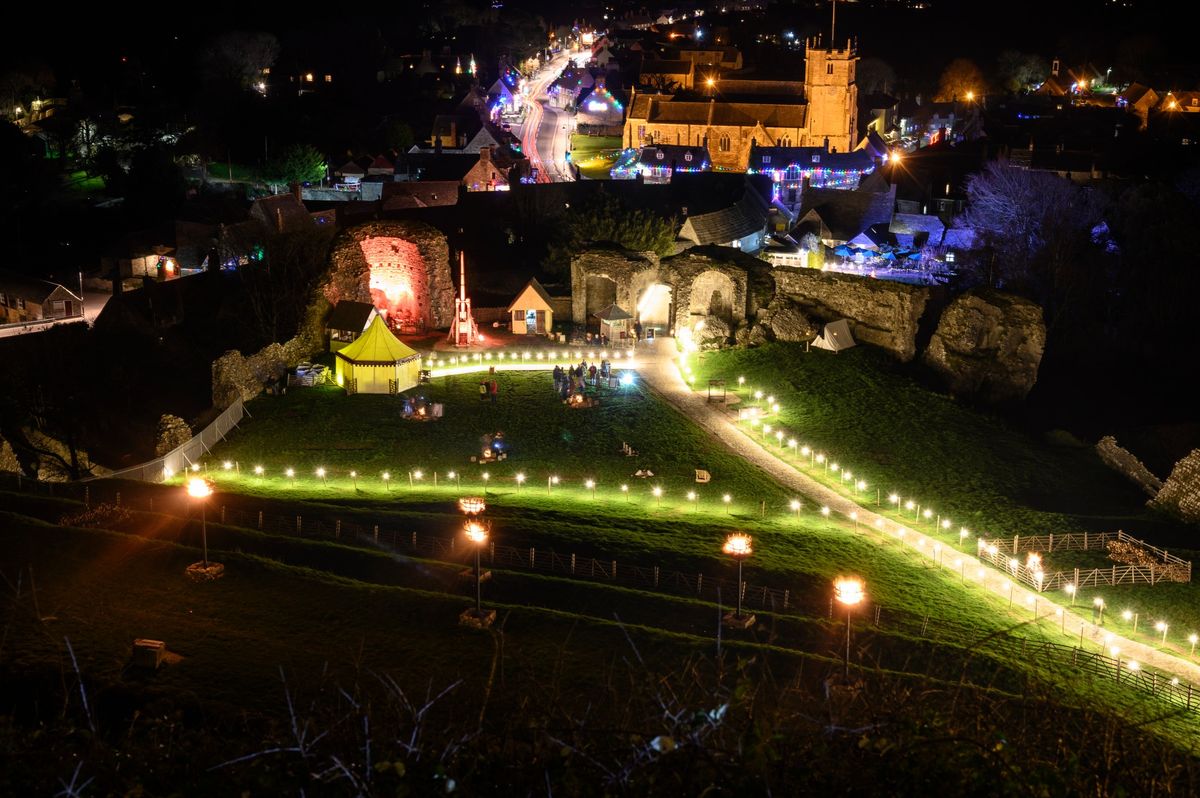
(875, 75)
(240, 56)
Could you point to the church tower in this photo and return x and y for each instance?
(832, 95)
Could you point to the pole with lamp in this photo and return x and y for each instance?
(477, 535)
(849, 591)
(739, 547)
(200, 490)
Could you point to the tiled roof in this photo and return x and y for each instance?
(845, 213)
(730, 114)
(808, 158)
(746, 216)
(31, 289)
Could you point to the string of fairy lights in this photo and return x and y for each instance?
(838, 476)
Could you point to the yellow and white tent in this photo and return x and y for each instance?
(377, 362)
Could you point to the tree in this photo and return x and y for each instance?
(960, 77)
(604, 218)
(299, 163)
(240, 57)
(875, 75)
(1018, 70)
(1036, 229)
(398, 135)
(279, 286)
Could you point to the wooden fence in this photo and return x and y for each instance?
(1002, 554)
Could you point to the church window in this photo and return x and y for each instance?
(829, 69)
(724, 142)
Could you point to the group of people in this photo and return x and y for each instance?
(488, 389)
(574, 379)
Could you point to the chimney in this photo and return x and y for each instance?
(485, 155)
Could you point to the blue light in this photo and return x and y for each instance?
(626, 379)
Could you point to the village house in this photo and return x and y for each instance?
(24, 299)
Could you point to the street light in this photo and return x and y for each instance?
(457, 479)
(694, 498)
(485, 476)
(849, 592)
(825, 511)
(1193, 639)
(478, 535)
(200, 490)
(321, 474)
(387, 477)
(738, 546)
(625, 490)
(795, 505)
(591, 485)
(657, 491)
(550, 481)
(1098, 603)
(520, 481)
(354, 477)
(727, 499)
(1130, 615)
(1162, 627)
(1070, 588)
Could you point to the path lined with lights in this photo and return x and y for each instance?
(659, 369)
(536, 96)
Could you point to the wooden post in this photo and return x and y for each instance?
(299, 526)
(118, 498)
(1114, 574)
(572, 564)
(787, 594)
(87, 497)
(656, 576)
(699, 583)
(532, 557)
(337, 529)
(1016, 540)
(1085, 541)
(614, 569)
(414, 539)
(1051, 546)
(376, 530)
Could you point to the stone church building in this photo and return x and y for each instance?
(821, 112)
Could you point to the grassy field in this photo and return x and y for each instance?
(595, 155)
(865, 413)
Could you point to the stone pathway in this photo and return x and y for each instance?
(657, 365)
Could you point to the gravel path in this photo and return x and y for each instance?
(657, 365)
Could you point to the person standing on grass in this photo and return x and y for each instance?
(483, 391)
(493, 389)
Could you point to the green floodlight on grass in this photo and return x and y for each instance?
(520, 480)
(387, 481)
(354, 477)
(727, 499)
(625, 490)
(321, 474)
(590, 484)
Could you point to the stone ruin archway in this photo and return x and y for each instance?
(713, 294)
(600, 292)
(400, 267)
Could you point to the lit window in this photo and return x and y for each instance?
(687, 156)
(816, 158)
(329, 78)
(308, 78)
(659, 155)
(766, 159)
(829, 69)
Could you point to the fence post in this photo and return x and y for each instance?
(614, 569)
(532, 557)
(1114, 574)
(877, 610)
(337, 529)
(656, 576)
(414, 536)
(118, 498)
(87, 497)
(492, 550)
(1076, 579)
(1050, 547)
(376, 533)
(1016, 540)
(260, 520)
(787, 594)
(299, 526)
(572, 564)
(699, 583)
(1085, 542)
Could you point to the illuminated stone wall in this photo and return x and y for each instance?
(401, 267)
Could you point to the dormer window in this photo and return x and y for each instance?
(659, 155)
(766, 159)
(687, 156)
(816, 159)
